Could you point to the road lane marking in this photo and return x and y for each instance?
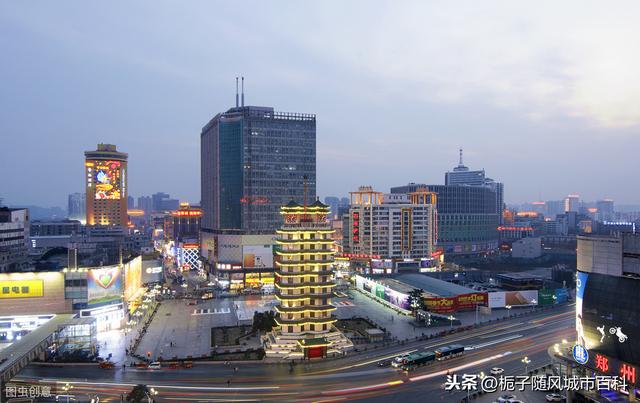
(492, 342)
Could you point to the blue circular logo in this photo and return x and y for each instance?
(580, 354)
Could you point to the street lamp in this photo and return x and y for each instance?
(451, 318)
(526, 362)
(152, 392)
(67, 388)
(564, 341)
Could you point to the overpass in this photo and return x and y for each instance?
(31, 346)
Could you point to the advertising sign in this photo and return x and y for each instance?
(441, 305)
(132, 278)
(104, 286)
(545, 296)
(496, 299)
(257, 256)
(580, 354)
(380, 291)
(108, 180)
(562, 295)
(21, 288)
(463, 302)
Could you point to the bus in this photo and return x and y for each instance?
(445, 353)
(399, 360)
(416, 360)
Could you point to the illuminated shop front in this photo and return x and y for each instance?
(14, 327)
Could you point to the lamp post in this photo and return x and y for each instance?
(526, 362)
(451, 318)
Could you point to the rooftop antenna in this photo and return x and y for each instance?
(460, 163)
(236, 92)
(242, 92)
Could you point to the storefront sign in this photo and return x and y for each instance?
(21, 288)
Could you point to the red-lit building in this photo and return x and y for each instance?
(185, 223)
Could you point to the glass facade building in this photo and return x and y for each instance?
(254, 160)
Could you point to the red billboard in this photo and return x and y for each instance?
(462, 302)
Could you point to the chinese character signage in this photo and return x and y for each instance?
(21, 288)
(580, 354)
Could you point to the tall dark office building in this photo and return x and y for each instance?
(253, 161)
(467, 217)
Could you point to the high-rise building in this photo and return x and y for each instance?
(254, 160)
(605, 210)
(462, 175)
(392, 226)
(77, 207)
(186, 223)
(571, 203)
(130, 202)
(145, 203)
(304, 286)
(468, 219)
(106, 186)
(14, 238)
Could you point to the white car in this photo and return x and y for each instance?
(154, 365)
(399, 360)
(553, 397)
(506, 398)
(496, 371)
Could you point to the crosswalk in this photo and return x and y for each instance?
(206, 311)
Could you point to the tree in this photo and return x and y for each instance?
(138, 394)
(416, 302)
(264, 321)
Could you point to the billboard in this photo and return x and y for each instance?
(104, 286)
(608, 320)
(462, 302)
(545, 296)
(21, 288)
(383, 292)
(501, 299)
(107, 177)
(132, 278)
(257, 256)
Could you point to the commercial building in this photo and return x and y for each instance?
(14, 238)
(106, 186)
(185, 223)
(391, 226)
(439, 296)
(462, 175)
(468, 219)
(254, 160)
(605, 210)
(76, 207)
(607, 313)
(304, 286)
(571, 203)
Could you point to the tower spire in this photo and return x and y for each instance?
(242, 102)
(236, 92)
(460, 163)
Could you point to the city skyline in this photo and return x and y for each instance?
(536, 117)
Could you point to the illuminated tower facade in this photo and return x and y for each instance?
(106, 186)
(304, 285)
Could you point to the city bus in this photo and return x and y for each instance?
(416, 360)
(448, 352)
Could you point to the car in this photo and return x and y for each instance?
(496, 371)
(506, 398)
(399, 360)
(154, 365)
(384, 363)
(553, 397)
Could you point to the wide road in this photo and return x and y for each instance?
(501, 344)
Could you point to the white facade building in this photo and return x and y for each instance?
(527, 248)
(392, 226)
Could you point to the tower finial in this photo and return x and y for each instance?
(460, 163)
(236, 92)
(242, 103)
